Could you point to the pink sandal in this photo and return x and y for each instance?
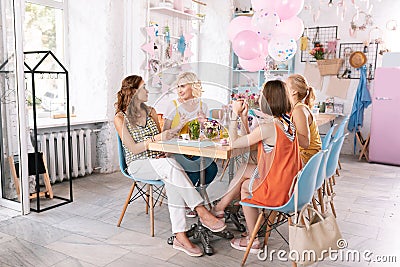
(193, 252)
(255, 248)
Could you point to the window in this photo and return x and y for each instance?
(44, 29)
(44, 26)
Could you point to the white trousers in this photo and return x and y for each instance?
(180, 190)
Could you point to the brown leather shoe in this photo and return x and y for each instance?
(217, 227)
(194, 252)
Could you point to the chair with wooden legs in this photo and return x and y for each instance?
(305, 183)
(364, 143)
(41, 169)
(146, 189)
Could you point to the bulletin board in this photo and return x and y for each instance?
(371, 51)
(321, 34)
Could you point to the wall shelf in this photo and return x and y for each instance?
(175, 13)
(272, 71)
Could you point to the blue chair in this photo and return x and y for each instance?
(321, 176)
(331, 166)
(340, 130)
(328, 137)
(306, 180)
(339, 133)
(146, 194)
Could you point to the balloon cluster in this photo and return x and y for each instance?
(273, 30)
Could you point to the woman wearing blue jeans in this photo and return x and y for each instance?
(189, 106)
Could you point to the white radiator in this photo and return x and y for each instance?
(55, 146)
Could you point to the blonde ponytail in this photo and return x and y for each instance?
(305, 92)
(310, 98)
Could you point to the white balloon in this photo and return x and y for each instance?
(282, 48)
(265, 23)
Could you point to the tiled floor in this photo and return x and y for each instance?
(84, 233)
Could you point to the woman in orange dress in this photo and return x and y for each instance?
(268, 181)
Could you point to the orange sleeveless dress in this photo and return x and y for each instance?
(275, 183)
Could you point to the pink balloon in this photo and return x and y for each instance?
(239, 24)
(255, 64)
(288, 8)
(269, 5)
(264, 52)
(247, 45)
(294, 27)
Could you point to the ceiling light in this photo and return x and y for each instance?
(330, 4)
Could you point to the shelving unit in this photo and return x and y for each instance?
(243, 79)
(174, 13)
(171, 27)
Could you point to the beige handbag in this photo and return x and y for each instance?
(311, 240)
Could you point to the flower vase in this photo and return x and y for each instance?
(194, 130)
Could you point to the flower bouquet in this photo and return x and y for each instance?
(194, 129)
(249, 97)
(211, 129)
(318, 52)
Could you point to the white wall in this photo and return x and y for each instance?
(96, 66)
(215, 51)
(382, 11)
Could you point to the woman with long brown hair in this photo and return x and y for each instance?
(278, 161)
(137, 126)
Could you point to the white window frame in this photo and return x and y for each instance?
(63, 6)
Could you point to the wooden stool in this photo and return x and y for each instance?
(364, 143)
(42, 169)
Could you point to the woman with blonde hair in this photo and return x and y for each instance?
(189, 106)
(302, 97)
(137, 126)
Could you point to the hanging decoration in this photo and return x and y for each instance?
(151, 31)
(360, 27)
(148, 48)
(181, 44)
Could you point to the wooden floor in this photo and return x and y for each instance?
(84, 233)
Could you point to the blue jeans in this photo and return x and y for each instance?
(191, 165)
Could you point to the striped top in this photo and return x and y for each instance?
(140, 134)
